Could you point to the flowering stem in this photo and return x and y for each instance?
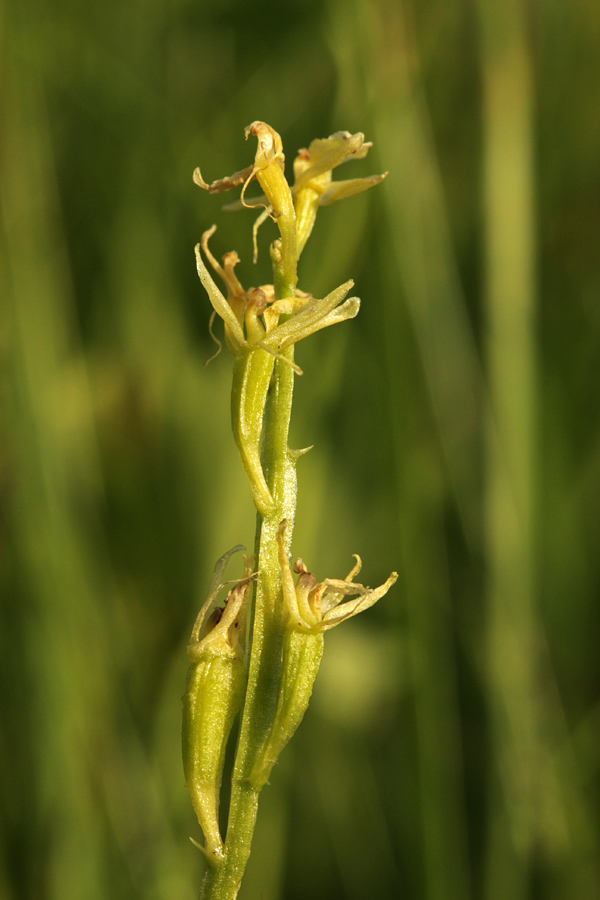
(261, 327)
(223, 877)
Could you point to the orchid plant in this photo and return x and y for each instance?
(259, 652)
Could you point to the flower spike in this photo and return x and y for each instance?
(269, 681)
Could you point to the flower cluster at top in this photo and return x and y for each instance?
(252, 317)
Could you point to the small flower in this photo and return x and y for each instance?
(251, 317)
(313, 186)
(314, 607)
(268, 161)
(256, 339)
(311, 609)
(268, 169)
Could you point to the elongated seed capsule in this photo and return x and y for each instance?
(301, 658)
(251, 377)
(302, 655)
(214, 693)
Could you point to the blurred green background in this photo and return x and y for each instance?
(452, 748)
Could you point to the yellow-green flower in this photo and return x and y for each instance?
(262, 324)
(311, 609)
(251, 317)
(295, 209)
(315, 607)
(215, 690)
(313, 185)
(268, 169)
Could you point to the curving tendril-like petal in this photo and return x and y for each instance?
(315, 607)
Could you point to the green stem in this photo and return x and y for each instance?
(222, 879)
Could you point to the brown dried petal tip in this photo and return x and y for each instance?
(223, 184)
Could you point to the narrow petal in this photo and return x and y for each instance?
(307, 320)
(236, 205)
(220, 304)
(326, 154)
(355, 568)
(223, 184)
(339, 190)
(353, 607)
(347, 310)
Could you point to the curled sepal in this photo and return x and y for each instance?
(214, 693)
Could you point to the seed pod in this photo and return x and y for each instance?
(215, 690)
(301, 659)
(311, 608)
(214, 693)
(251, 377)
